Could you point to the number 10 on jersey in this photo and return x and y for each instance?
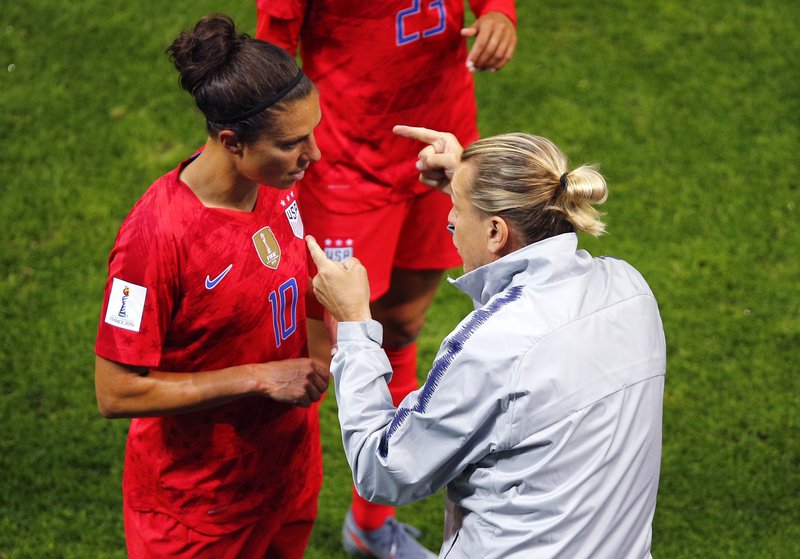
(282, 300)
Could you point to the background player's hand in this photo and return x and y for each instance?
(293, 381)
(438, 161)
(342, 287)
(495, 41)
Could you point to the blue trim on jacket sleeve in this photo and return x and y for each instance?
(453, 346)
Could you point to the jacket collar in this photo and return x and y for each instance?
(546, 261)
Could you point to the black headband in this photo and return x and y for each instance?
(264, 105)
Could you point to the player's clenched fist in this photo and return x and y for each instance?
(341, 287)
(294, 381)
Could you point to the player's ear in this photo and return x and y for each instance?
(230, 141)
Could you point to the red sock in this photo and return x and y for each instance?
(369, 516)
(404, 371)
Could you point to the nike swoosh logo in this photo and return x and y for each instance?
(212, 283)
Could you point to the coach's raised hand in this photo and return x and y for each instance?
(342, 287)
(437, 161)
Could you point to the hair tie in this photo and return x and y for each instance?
(264, 105)
(562, 186)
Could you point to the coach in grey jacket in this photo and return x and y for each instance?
(541, 414)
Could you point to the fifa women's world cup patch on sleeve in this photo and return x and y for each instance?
(125, 305)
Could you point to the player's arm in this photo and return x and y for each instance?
(127, 391)
(279, 22)
(495, 34)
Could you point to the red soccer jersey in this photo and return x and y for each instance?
(377, 64)
(192, 289)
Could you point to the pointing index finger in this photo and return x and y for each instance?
(417, 133)
(317, 254)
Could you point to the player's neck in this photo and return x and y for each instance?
(216, 183)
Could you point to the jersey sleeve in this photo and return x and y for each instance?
(279, 22)
(140, 293)
(505, 7)
(403, 455)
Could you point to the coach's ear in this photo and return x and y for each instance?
(230, 141)
(501, 237)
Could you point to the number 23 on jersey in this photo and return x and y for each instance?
(412, 24)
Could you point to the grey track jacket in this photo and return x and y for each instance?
(541, 414)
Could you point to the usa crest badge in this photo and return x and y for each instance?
(338, 249)
(293, 215)
(267, 247)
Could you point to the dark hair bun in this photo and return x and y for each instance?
(231, 76)
(201, 52)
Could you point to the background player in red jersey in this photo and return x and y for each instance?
(202, 335)
(376, 64)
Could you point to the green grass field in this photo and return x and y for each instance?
(691, 108)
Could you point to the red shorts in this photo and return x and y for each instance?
(411, 234)
(153, 535)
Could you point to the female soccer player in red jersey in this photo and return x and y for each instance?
(202, 337)
(378, 64)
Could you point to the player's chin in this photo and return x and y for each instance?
(297, 176)
(285, 183)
